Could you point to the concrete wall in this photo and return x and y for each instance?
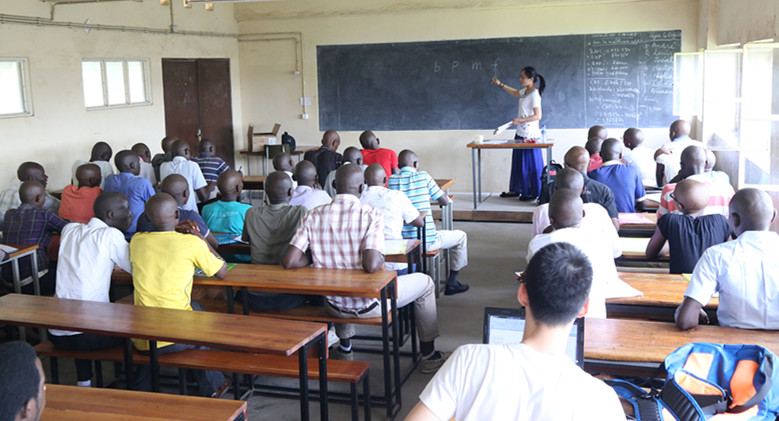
(271, 90)
(61, 129)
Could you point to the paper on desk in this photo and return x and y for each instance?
(617, 288)
(8, 249)
(223, 239)
(502, 128)
(655, 197)
(634, 218)
(395, 246)
(635, 245)
(687, 276)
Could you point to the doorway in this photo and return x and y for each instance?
(198, 103)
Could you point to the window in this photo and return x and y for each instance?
(688, 84)
(722, 99)
(14, 88)
(115, 82)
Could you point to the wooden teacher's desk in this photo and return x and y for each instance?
(216, 330)
(476, 149)
(66, 403)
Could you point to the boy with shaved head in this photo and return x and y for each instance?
(78, 201)
(180, 164)
(624, 181)
(147, 169)
(31, 224)
(87, 255)
(356, 231)
(228, 213)
(166, 156)
(420, 188)
(352, 155)
(667, 157)
(593, 146)
(284, 162)
(745, 271)
(9, 199)
(373, 154)
(210, 165)
(639, 156)
(100, 156)
(307, 193)
(22, 383)
(163, 263)
(690, 233)
(326, 158)
(128, 182)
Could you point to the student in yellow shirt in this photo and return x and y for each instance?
(164, 262)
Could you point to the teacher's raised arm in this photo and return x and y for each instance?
(526, 164)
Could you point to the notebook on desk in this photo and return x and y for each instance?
(507, 325)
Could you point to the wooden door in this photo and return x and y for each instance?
(198, 103)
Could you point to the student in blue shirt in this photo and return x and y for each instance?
(623, 180)
(228, 214)
(137, 189)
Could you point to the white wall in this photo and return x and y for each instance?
(271, 91)
(61, 130)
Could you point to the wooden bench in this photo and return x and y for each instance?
(351, 372)
(65, 403)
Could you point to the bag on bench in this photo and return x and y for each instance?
(710, 382)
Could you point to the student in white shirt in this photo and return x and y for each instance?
(534, 379)
(352, 155)
(100, 156)
(189, 170)
(147, 169)
(667, 157)
(639, 156)
(87, 255)
(744, 271)
(306, 194)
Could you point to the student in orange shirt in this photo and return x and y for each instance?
(78, 202)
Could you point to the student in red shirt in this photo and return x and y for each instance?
(373, 154)
(78, 202)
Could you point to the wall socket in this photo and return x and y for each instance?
(304, 116)
(304, 101)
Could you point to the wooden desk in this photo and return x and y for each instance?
(66, 403)
(23, 250)
(224, 331)
(650, 224)
(644, 341)
(635, 249)
(254, 182)
(663, 293)
(476, 149)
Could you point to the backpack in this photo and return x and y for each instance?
(710, 382)
(286, 139)
(547, 178)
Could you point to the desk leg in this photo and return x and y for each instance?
(549, 157)
(230, 299)
(36, 282)
(478, 154)
(245, 300)
(129, 375)
(18, 290)
(396, 338)
(155, 367)
(303, 374)
(385, 348)
(473, 170)
(323, 404)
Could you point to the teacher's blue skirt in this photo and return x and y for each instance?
(526, 168)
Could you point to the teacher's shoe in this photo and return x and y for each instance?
(456, 288)
(527, 198)
(509, 194)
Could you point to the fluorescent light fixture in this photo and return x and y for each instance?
(230, 1)
(164, 2)
(209, 7)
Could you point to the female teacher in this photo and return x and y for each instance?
(526, 164)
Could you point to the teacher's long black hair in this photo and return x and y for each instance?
(538, 80)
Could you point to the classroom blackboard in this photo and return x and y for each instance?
(615, 80)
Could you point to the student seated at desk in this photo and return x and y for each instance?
(352, 155)
(181, 164)
(227, 214)
(714, 176)
(128, 182)
(9, 199)
(520, 381)
(166, 156)
(163, 263)
(395, 206)
(593, 147)
(31, 224)
(326, 158)
(565, 213)
(269, 230)
(22, 383)
(147, 169)
(211, 166)
(667, 157)
(598, 131)
(420, 188)
(595, 218)
(307, 192)
(284, 162)
(639, 156)
(176, 186)
(693, 164)
(347, 234)
(373, 154)
(690, 233)
(100, 156)
(78, 201)
(624, 181)
(744, 271)
(87, 255)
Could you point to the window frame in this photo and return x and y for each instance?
(146, 66)
(24, 75)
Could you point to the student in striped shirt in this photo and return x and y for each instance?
(210, 165)
(420, 187)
